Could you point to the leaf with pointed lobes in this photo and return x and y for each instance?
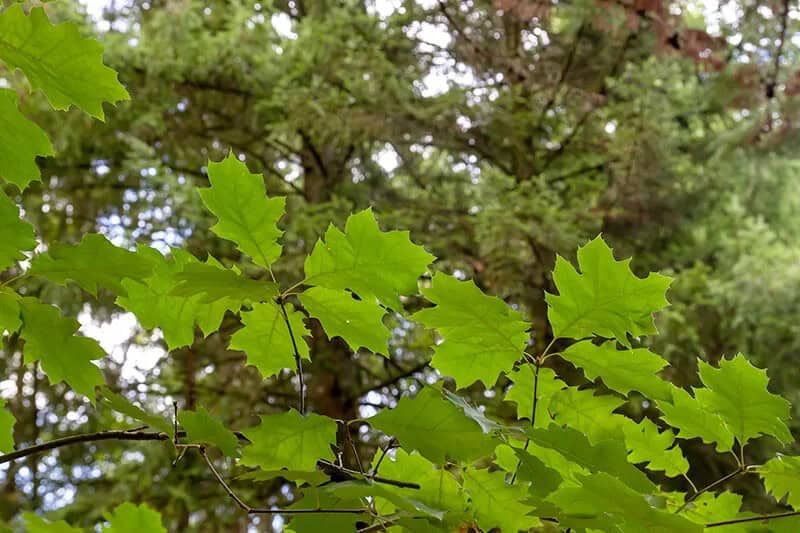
(436, 428)
(21, 142)
(55, 58)
(605, 298)
(621, 370)
(50, 339)
(130, 518)
(289, 440)
(93, 263)
(155, 307)
(737, 391)
(213, 283)
(245, 215)
(16, 235)
(266, 340)
(202, 427)
(367, 261)
(357, 322)
(482, 335)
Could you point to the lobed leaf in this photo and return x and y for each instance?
(647, 445)
(781, 477)
(737, 392)
(245, 215)
(605, 298)
(436, 428)
(21, 142)
(92, 263)
(358, 322)
(266, 340)
(7, 422)
(482, 335)
(621, 370)
(16, 235)
(367, 261)
(130, 518)
(289, 440)
(50, 339)
(56, 59)
(201, 427)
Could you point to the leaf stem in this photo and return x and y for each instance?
(720, 481)
(297, 360)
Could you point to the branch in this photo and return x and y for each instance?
(342, 473)
(762, 518)
(773, 83)
(88, 437)
(297, 360)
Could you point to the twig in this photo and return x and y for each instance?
(297, 360)
(391, 444)
(762, 518)
(332, 469)
(720, 481)
(353, 448)
(256, 510)
(87, 437)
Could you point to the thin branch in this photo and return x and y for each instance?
(762, 518)
(334, 470)
(710, 486)
(87, 437)
(297, 360)
(221, 481)
(391, 444)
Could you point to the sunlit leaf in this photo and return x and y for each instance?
(201, 427)
(21, 142)
(56, 59)
(289, 440)
(605, 298)
(482, 335)
(245, 215)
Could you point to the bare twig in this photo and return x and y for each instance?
(87, 437)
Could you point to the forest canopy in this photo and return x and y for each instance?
(399, 265)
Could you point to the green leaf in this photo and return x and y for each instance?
(10, 320)
(708, 508)
(201, 427)
(36, 524)
(21, 142)
(358, 322)
(245, 215)
(621, 370)
(214, 283)
(57, 60)
(120, 404)
(606, 298)
(495, 503)
(781, 477)
(50, 338)
(737, 392)
(482, 335)
(154, 306)
(317, 498)
(588, 413)
(367, 261)
(7, 422)
(266, 340)
(474, 413)
(521, 392)
(693, 420)
(647, 445)
(16, 235)
(438, 488)
(130, 518)
(608, 456)
(405, 501)
(289, 440)
(435, 427)
(92, 263)
(604, 502)
(529, 468)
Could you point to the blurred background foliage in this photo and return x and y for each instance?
(500, 132)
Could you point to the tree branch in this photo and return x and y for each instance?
(762, 518)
